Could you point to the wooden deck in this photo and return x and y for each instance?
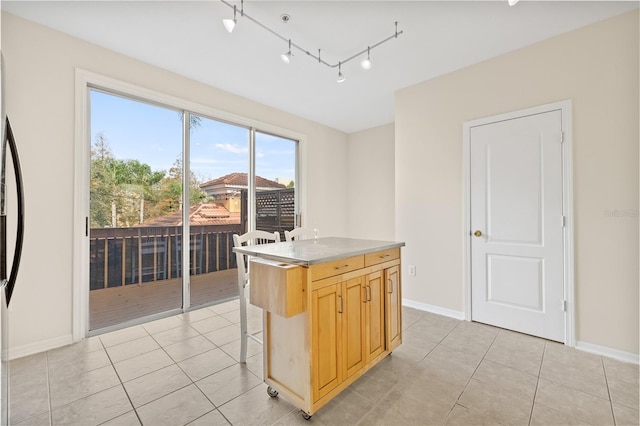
(112, 306)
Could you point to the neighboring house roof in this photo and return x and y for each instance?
(236, 181)
(200, 214)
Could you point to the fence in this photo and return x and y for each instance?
(275, 210)
(124, 256)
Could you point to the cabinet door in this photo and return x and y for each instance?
(325, 329)
(393, 307)
(375, 315)
(353, 325)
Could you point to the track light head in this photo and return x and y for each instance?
(230, 24)
(366, 63)
(286, 57)
(341, 76)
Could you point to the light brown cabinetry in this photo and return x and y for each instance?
(338, 334)
(375, 315)
(326, 336)
(352, 319)
(393, 307)
(352, 315)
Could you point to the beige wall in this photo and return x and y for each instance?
(597, 69)
(39, 93)
(370, 183)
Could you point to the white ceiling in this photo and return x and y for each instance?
(187, 37)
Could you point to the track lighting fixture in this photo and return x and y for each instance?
(513, 2)
(366, 63)
(341, 77)
(286, 57)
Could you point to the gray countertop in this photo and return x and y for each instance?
(314, 251)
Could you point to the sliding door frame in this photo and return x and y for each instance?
(186, 210)
(86, 81)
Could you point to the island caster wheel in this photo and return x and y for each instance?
(272, 392)
(305, 415)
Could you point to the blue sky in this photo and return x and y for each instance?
(153, 135)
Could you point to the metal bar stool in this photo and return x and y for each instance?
(250, 238)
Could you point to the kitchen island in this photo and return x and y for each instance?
(332, 310)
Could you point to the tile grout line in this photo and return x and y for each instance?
(535, 393)
(76, 400)
(395, 385)
(262, 382)
(466, 385)
(555, 381)
(472, 374)
(373, 407)
(135, 409)
(48, 389)
(215, 407)
(606, 380)
(121, 382)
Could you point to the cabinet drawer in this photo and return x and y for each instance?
(277, 287)
(381, 256)
(337, 267)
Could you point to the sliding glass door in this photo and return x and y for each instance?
(275, 188)
(219, 162)
(135, 228)
(163, 179)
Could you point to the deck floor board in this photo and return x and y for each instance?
(112, 306)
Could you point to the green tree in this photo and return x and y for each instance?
(171, 189)
(128, 185)
(103, 185)
(134, 189)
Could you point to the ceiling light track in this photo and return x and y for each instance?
(286, 57)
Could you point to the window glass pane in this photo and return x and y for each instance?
(275, 160)
(135, 210)
(219, 163)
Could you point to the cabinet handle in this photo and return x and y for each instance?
(369, 293)
(386, 255)
(342, 267)
(390, 286)
(341, 307)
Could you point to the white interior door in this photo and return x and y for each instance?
(516, 224)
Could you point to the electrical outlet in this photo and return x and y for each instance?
(412, 270)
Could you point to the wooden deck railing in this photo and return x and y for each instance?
(124, 256)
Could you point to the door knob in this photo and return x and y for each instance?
(478, 233)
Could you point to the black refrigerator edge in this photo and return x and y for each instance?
(10, 216)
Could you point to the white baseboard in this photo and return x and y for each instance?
(433, 309)
(608, 352)
(37, 347)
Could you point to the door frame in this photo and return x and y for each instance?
(567, 205)
(84, 81)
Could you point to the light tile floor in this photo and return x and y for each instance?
(184, 370)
